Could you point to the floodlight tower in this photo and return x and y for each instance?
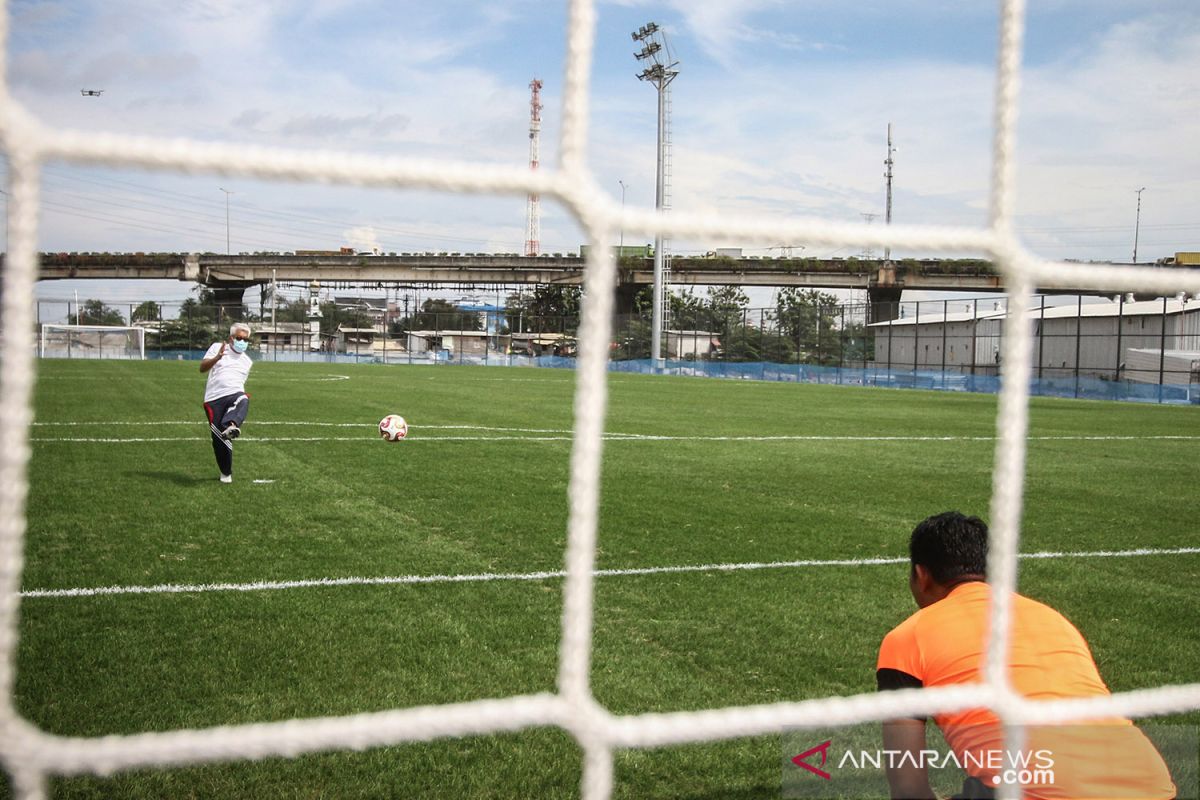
(532, 213)
(660, 71)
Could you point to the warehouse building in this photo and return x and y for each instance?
(1079, 339)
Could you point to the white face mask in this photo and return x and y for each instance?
(240, 345)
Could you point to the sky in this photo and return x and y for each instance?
(780, 110)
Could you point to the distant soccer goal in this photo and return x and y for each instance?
(92, 341)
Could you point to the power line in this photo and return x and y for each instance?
(249, 208)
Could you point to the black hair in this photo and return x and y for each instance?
(950, 546)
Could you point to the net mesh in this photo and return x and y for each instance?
(32, 755)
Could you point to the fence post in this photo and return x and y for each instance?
(1041, 332)
(1078, 334)
(1162, 349)
(916, 339)
(945, 325)
(1120, 320)
(889, 347)
(820, 351)
(974, 336)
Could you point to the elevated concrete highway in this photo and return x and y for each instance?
(229, 276)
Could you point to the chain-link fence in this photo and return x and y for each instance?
(1116, 349)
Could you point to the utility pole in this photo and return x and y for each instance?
(869, 217)
(1137, 223)
(887, 251)
(227, 193)
(660, 74)
(621, 246)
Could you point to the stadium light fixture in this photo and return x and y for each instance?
(648, 51)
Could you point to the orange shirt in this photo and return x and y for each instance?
(944, 644)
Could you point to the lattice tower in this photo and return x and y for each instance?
(533, 224)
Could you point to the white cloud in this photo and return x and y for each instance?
(363, 239)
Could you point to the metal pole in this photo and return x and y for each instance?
(621, 246)
(945, 325)
(889, 348)
(227, 193)
(1078, 334)
(1120, 315)
(974, 333)
(1137, 223)
(1041, 333)
(657, 312)
(916, 339)
(1162, 348)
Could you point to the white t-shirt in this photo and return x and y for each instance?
(229, 374)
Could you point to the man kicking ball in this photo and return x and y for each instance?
(225, 400)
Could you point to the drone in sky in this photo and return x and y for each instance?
(91, 92)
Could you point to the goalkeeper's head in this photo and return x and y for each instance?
(945, 550)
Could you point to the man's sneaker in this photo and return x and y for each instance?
(231, 432)
(226, 479)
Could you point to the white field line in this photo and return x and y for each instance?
(257, 586)
(611, 436)
(548, 435)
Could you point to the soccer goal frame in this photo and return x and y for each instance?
(92, 341)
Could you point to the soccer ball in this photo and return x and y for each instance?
(393, 427)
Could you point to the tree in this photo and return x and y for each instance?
(726, 305)
(516, 312)
(554, 309)
(688, 312)
(94, 312)
(186, 334)
(146, 312)
(294, 311)
(633, 341)
(857, 344)
(754, 344)
(193, 310)
(442, 315)
(808, 318)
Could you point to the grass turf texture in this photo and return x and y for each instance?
(347, 504)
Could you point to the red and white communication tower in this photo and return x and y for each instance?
(532, 214)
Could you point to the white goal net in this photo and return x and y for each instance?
(91, 341)
(32, 755)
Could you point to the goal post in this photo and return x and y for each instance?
(92, 341)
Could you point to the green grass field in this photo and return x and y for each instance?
(480, 487)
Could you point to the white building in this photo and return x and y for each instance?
(1083, 339)
(691, 344)
(293, 336)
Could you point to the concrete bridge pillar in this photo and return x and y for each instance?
(883, 294)
(228, 297)
(626, 292)
(884, 303)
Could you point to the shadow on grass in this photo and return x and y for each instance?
(757, 793)
(177, 478)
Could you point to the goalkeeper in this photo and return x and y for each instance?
(944, 643)
(225, 400)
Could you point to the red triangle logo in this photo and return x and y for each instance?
(823, 749)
